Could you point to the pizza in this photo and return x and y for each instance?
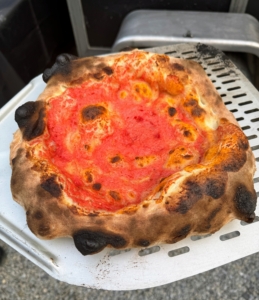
(129, 150)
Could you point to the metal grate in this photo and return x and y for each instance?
(158, 265)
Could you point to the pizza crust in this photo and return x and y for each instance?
(199, 199)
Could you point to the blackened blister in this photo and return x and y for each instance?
(245, 202)
(30, 119)
(115, 159)
(90, 242)
(215, 187)
(97, 186)
(51, 186)
(181, 233)
(115, 195)
(92, 112)
(108, 70)
(171, 111)
(178, 67)
(60, 66)
(182, 207)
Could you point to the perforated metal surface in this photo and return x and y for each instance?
(132, 268)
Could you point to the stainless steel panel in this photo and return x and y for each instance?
(226, 31)
(80, 33)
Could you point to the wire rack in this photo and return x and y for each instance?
(139, 268)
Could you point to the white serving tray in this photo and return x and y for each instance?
(135, 269)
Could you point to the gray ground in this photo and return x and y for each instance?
(21, 279)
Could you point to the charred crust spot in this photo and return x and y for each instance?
(108, 70)
(183, 232)
(181, 208)
(89, 177)
(50, 185)
(115, 159)
(179, 235)
(65, 58)
(38, 215)
(143, 243)
(187, 133)
(171, 111)
(197, 111)
(233, 163)
(245, 202)
(178, 67)
(97, 186)
(193, 187)
(62, 66)
(250, 219)
(30, 119)
(90, 242)
(215, 187)
(243, 144)
(192, 192)
(93, 112)
(115, 195)
(42, 193)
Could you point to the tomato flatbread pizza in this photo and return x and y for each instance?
(129, 150)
